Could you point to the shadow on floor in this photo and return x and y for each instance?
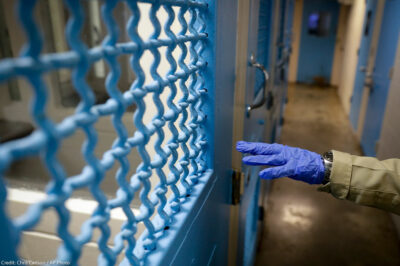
(307, 227)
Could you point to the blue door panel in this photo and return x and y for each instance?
(364, 51)
(283, 66)
(316, 53)
(263, 39)
(262, 125)
(198, 240)
(282, 25)
(172, 245)
(259, 43)
(387, 47)
(249, 216)
(252, 214)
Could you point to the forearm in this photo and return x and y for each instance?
(366, 181)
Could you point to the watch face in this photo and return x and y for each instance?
(328, 156)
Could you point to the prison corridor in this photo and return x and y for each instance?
(306, 227)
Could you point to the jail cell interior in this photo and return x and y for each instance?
(103, 134)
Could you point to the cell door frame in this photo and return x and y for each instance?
(238, 116)
(243, 52)
(247, 20)
(370, 66)
(283, 65)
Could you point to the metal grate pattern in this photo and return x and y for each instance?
(183, 118)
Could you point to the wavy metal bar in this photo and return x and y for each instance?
(183, 103)
(172, 114)
(158, 121)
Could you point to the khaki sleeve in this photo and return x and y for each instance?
(366, 181)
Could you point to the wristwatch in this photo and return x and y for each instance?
(327, 158)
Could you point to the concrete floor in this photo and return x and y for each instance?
(307, 227)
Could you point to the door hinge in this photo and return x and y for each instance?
(236, 180)
(391, 70)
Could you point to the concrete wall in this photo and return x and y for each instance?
(389, 144)
(339, 45)
(352, 43)
(296, 37)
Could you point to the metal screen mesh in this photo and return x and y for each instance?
(182, 118)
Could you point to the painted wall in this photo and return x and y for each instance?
(296, 37)
(316, 52)
(389, 144)
(350, 58)
(339, 45)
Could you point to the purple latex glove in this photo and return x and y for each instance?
(292, 162)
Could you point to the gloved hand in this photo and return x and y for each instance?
(292, 162)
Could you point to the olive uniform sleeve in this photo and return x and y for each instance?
(366, 181)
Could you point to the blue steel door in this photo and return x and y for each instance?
(256, 125)
(282, 66)
(379, 87)
(185, 213)
(362, 65)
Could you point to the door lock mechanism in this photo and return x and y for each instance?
(236, 187)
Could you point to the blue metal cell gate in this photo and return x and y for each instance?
(362, 64)
(381, 77)
(183, 117)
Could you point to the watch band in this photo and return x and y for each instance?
(327, 158)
